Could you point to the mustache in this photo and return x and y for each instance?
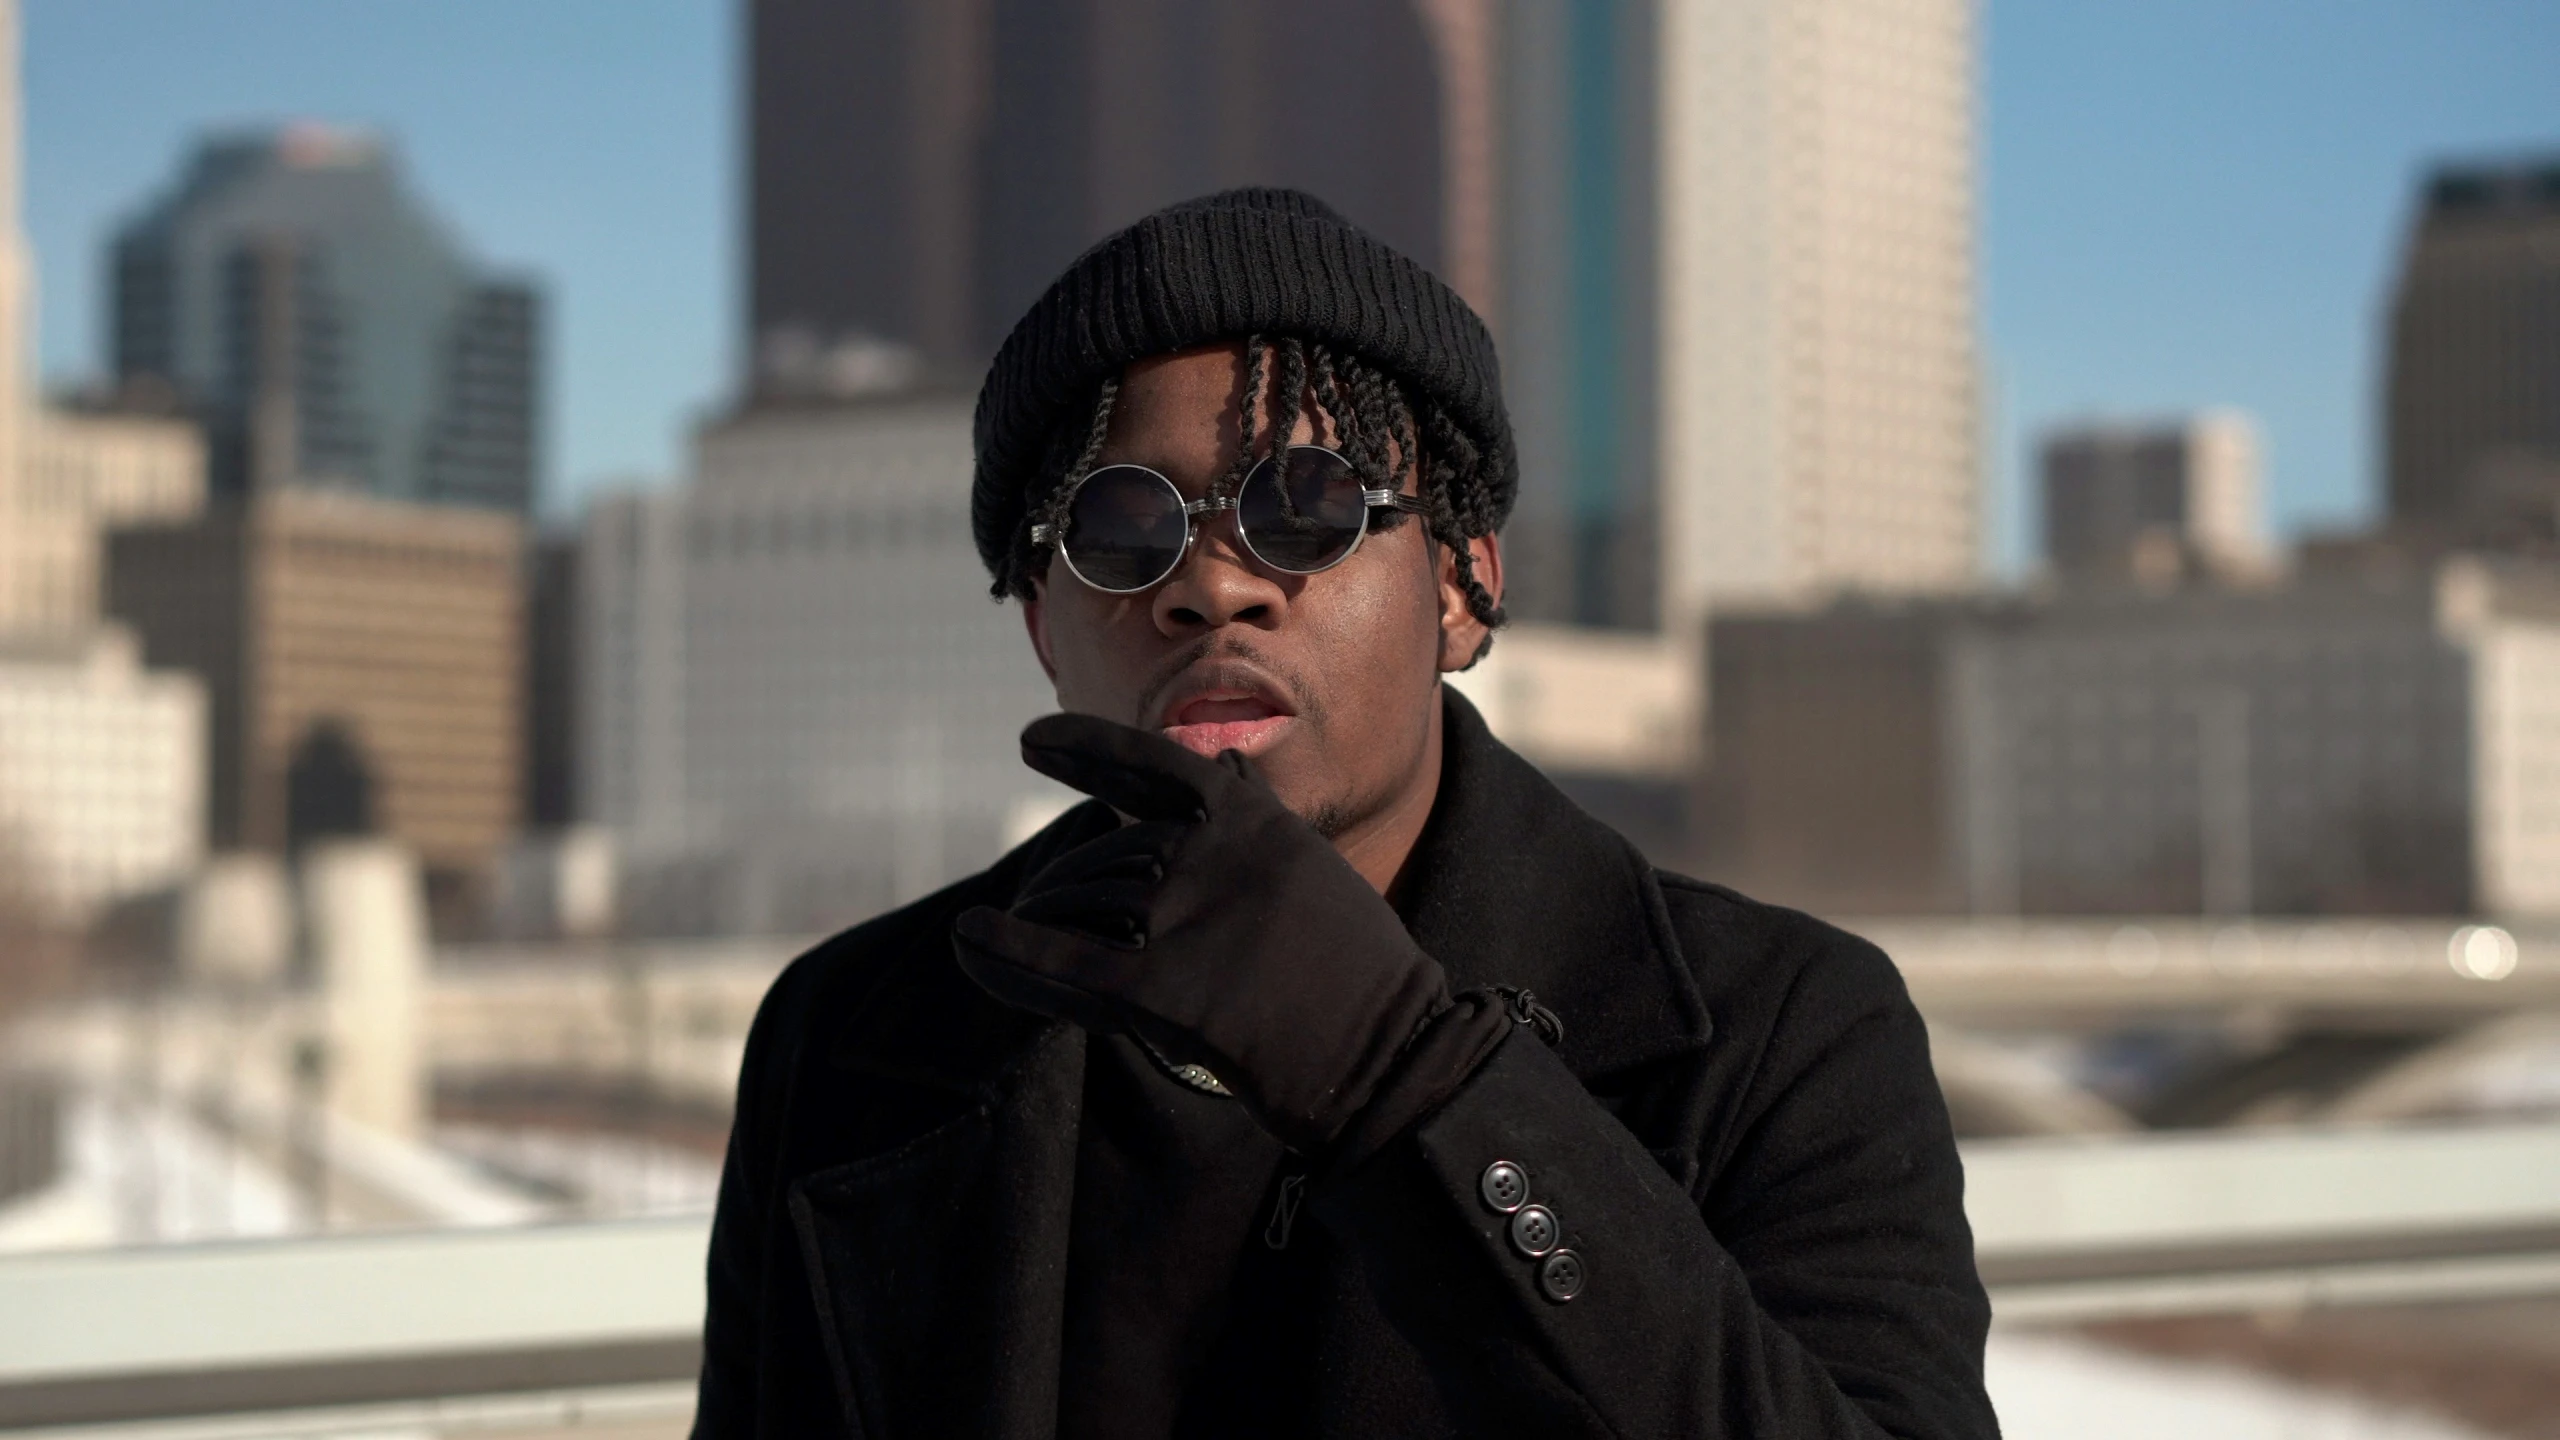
(1302, 696)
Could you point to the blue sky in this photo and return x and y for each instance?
(2186, 202)
(2195, 202)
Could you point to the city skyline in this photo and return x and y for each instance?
(2210, 255)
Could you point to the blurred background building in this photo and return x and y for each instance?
(1820, 404)
(326, 327)
(102, 785)
(88, 465)
(799, 704)
(919, 171)
(2471, 412)
(2342, 745)
(2151, 504)
(362, 657)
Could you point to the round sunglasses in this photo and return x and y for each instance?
(1125, 527)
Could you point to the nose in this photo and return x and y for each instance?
(1217, 585)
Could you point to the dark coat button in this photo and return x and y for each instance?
(1560, 1276)
(1505, 1186)
(1534, 1231)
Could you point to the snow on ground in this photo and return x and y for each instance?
(601, 1173)
(146, 1172)
(2050, 1387)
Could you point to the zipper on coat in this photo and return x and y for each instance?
(1284, 1210)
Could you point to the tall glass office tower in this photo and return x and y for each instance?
(327, 328)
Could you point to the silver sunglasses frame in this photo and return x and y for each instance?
(1372, 498)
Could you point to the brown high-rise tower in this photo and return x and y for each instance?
(919, 169)
(2472, 394)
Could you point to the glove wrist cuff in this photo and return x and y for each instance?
(1447, 1049)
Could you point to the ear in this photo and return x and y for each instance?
(1461, 633)
(1035, 623)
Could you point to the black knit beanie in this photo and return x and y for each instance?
(1222, 267)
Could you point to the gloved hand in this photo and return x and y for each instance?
(1218, 927)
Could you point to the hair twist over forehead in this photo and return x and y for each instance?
(1377, 428)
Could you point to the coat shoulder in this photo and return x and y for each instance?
(839, 975)
(894, 962)
(1741, 950)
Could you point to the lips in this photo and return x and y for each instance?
(1211, 714)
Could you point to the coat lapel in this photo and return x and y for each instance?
(939, 1268)
(939, 1265)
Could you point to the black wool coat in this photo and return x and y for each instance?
(1739, 1134)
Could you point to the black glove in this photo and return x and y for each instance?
(1218, 928)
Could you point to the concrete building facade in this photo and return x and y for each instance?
(1819, 372)
(2471, 391)
(630, 681)
(82, 473)
(102, 778)
(328, 328)
(800, 704)
(2336, 746)
(363, 660)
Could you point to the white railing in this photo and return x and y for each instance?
(2082, 1228)
(384, 1319)
(602, 1318)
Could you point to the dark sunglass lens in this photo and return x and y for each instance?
(1124, 528)
(1306, 517)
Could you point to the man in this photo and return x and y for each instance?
(1331, 1074)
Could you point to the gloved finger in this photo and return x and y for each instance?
(1134, 852)
(1240, 765)
(1137, 772)
(1113, 911)
(1047, 972)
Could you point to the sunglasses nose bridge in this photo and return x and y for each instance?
(1199, 516)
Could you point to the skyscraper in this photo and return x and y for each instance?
(327, 327)
(919, 169)
(1737, 302)
(1819, 404)
(2472, 392)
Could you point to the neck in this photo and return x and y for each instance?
(1380, 843)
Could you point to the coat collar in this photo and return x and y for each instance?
(1510, 884)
